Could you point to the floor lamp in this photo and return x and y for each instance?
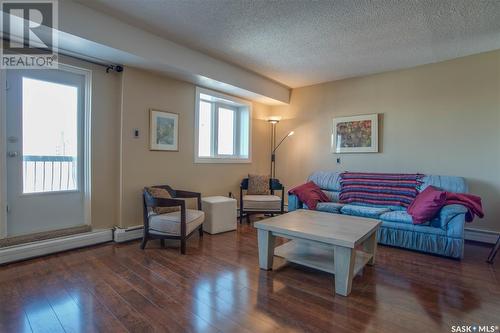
(275, 147)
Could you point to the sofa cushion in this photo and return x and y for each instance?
(426, 205)
(445, 183)
(378, 206)
(161, 193)
(258, 184)
(327, 180)
(380, 189)
(441, 221)
(262, 202)
(310, 194)
(397, 217)
(329, 207)
(417, 228)
(364, 211)
(170, 223)
(332, 195)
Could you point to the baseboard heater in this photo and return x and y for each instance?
(121, 235)
(479, 235)
(48, 246)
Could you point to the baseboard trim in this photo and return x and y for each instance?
(122, 235)
(44, 247)
(479, 235)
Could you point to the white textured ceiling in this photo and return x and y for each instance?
(300, 43)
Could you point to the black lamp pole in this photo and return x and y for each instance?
(273, 143)
(275, 147)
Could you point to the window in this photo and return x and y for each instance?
(223, 126)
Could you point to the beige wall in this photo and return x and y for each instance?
(122, 165)
(140, 167)
(105, 124)
(441, 119)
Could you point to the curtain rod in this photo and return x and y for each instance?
(92, 60)
(87, 58)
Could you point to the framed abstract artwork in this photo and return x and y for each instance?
(163, 130)
(355, 134)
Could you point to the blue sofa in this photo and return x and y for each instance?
(444, 235)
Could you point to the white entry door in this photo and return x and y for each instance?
(45, 150)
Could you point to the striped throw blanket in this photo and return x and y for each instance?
(379, 189)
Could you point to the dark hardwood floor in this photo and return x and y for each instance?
(218, 287)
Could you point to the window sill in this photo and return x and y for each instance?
(215, 160)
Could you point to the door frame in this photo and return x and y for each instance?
(3, 153)
(87, 145)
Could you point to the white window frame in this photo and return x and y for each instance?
(229, 102)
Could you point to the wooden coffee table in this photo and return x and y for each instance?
(322, 241)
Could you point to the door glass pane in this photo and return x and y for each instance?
(226, 132)
(205, 129)
(50, 136)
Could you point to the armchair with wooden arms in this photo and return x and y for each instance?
(261, 203)
(179, 224)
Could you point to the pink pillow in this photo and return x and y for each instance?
(310, 194)
(426, 205)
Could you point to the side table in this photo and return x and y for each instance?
(220, 214)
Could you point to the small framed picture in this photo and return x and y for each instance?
(356, 134)
(163, 130)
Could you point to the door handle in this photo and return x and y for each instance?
(13, 154)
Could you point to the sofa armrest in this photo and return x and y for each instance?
(294, 203)
(455, 227)
(448, 213)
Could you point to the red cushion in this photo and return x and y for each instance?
(426, 205)
(310, 194)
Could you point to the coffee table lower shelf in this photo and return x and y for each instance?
(317, 257)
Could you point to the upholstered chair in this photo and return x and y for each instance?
(166, 215)
(261, 203)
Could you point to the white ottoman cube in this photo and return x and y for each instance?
(220, 214)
